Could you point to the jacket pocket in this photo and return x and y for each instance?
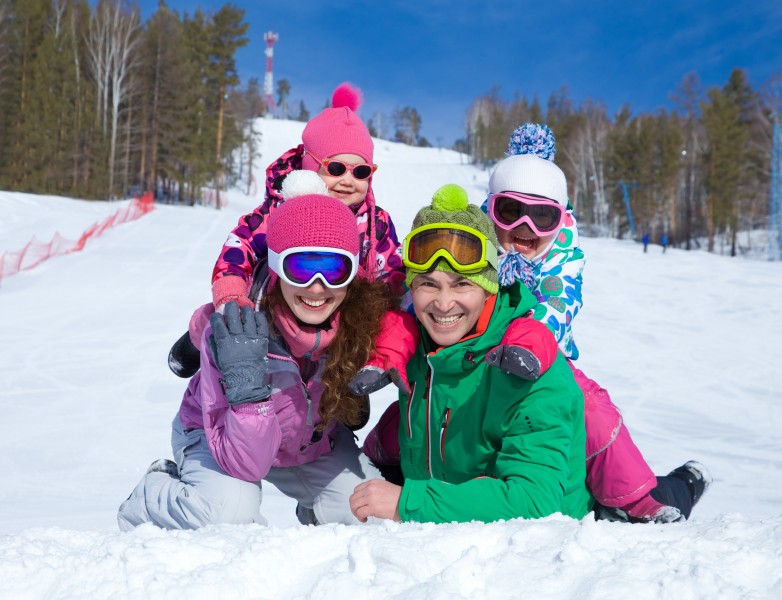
(408, 413)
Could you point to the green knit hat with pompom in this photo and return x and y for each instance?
(451, 205)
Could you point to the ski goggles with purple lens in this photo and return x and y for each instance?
(301, 266)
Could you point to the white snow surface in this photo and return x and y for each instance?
(685, 342)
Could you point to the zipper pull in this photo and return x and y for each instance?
(309, 408)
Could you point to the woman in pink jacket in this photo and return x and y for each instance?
(337, 146)
(269, 402)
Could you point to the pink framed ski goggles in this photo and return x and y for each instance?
(508, 210)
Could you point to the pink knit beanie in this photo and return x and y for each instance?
(313, 220)
(337, 130)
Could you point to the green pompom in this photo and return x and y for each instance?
(450, 198)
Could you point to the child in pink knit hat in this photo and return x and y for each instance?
(337, 146)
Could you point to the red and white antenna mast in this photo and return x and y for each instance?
(268, 80)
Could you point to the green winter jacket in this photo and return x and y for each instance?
(480, 444)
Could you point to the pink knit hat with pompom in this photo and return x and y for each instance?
(337, 130)
(311, 219)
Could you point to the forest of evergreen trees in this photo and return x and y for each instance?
(699, 172)
(95, 103)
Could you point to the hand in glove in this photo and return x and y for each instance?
(239, 345)
(394, 346)
(527, 350)
(516, 360)
(370, 379)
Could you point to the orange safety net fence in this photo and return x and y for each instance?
(35, 252)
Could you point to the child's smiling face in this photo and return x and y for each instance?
(523, 240)
(346, 188)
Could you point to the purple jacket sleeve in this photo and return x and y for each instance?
(246, 244)
(389, 252)
(244, 439)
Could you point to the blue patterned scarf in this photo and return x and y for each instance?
(512, 266)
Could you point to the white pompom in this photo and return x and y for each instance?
(301, 183)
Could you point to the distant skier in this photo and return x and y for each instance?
(645, 241)
(664, 242)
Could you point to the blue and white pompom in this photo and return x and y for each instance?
(532, 138)
(514, 266)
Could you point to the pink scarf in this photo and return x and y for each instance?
(304, 340)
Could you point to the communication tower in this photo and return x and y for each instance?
(268, 80)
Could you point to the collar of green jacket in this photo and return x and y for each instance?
(510, 303)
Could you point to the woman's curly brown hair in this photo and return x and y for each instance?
(364, 305)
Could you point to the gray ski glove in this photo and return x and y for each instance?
(515, 360)
(370, 379)
(239, 345)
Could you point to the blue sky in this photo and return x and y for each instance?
(439, 55)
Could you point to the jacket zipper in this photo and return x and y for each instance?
(446, 419)
(428, 401)
(309, 415)
(307, 369)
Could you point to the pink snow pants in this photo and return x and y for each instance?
(617, 474)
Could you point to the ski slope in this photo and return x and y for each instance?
(685, 342)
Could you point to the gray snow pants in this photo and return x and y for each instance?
(204, 494)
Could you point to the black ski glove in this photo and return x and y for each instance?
(239, 345)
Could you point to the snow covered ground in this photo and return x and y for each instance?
(686, 343)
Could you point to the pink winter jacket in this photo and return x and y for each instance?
(244, 252)
(248, 439)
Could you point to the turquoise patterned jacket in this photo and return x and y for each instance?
(557, 286)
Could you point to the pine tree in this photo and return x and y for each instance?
(226, 35)
(688, 98)
(165, 75)
(304, 115)
(726, 137)
(283, 91)
(198, 164)
(25, 30)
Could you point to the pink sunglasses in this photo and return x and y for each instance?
(337, 168)
(508, 210)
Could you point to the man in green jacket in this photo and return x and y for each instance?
(476, 443)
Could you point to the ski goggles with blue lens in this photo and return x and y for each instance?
(466, 249)
(301, 266)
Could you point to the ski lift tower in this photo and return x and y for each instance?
(268, 80)
(775, 209)
(626, 196)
